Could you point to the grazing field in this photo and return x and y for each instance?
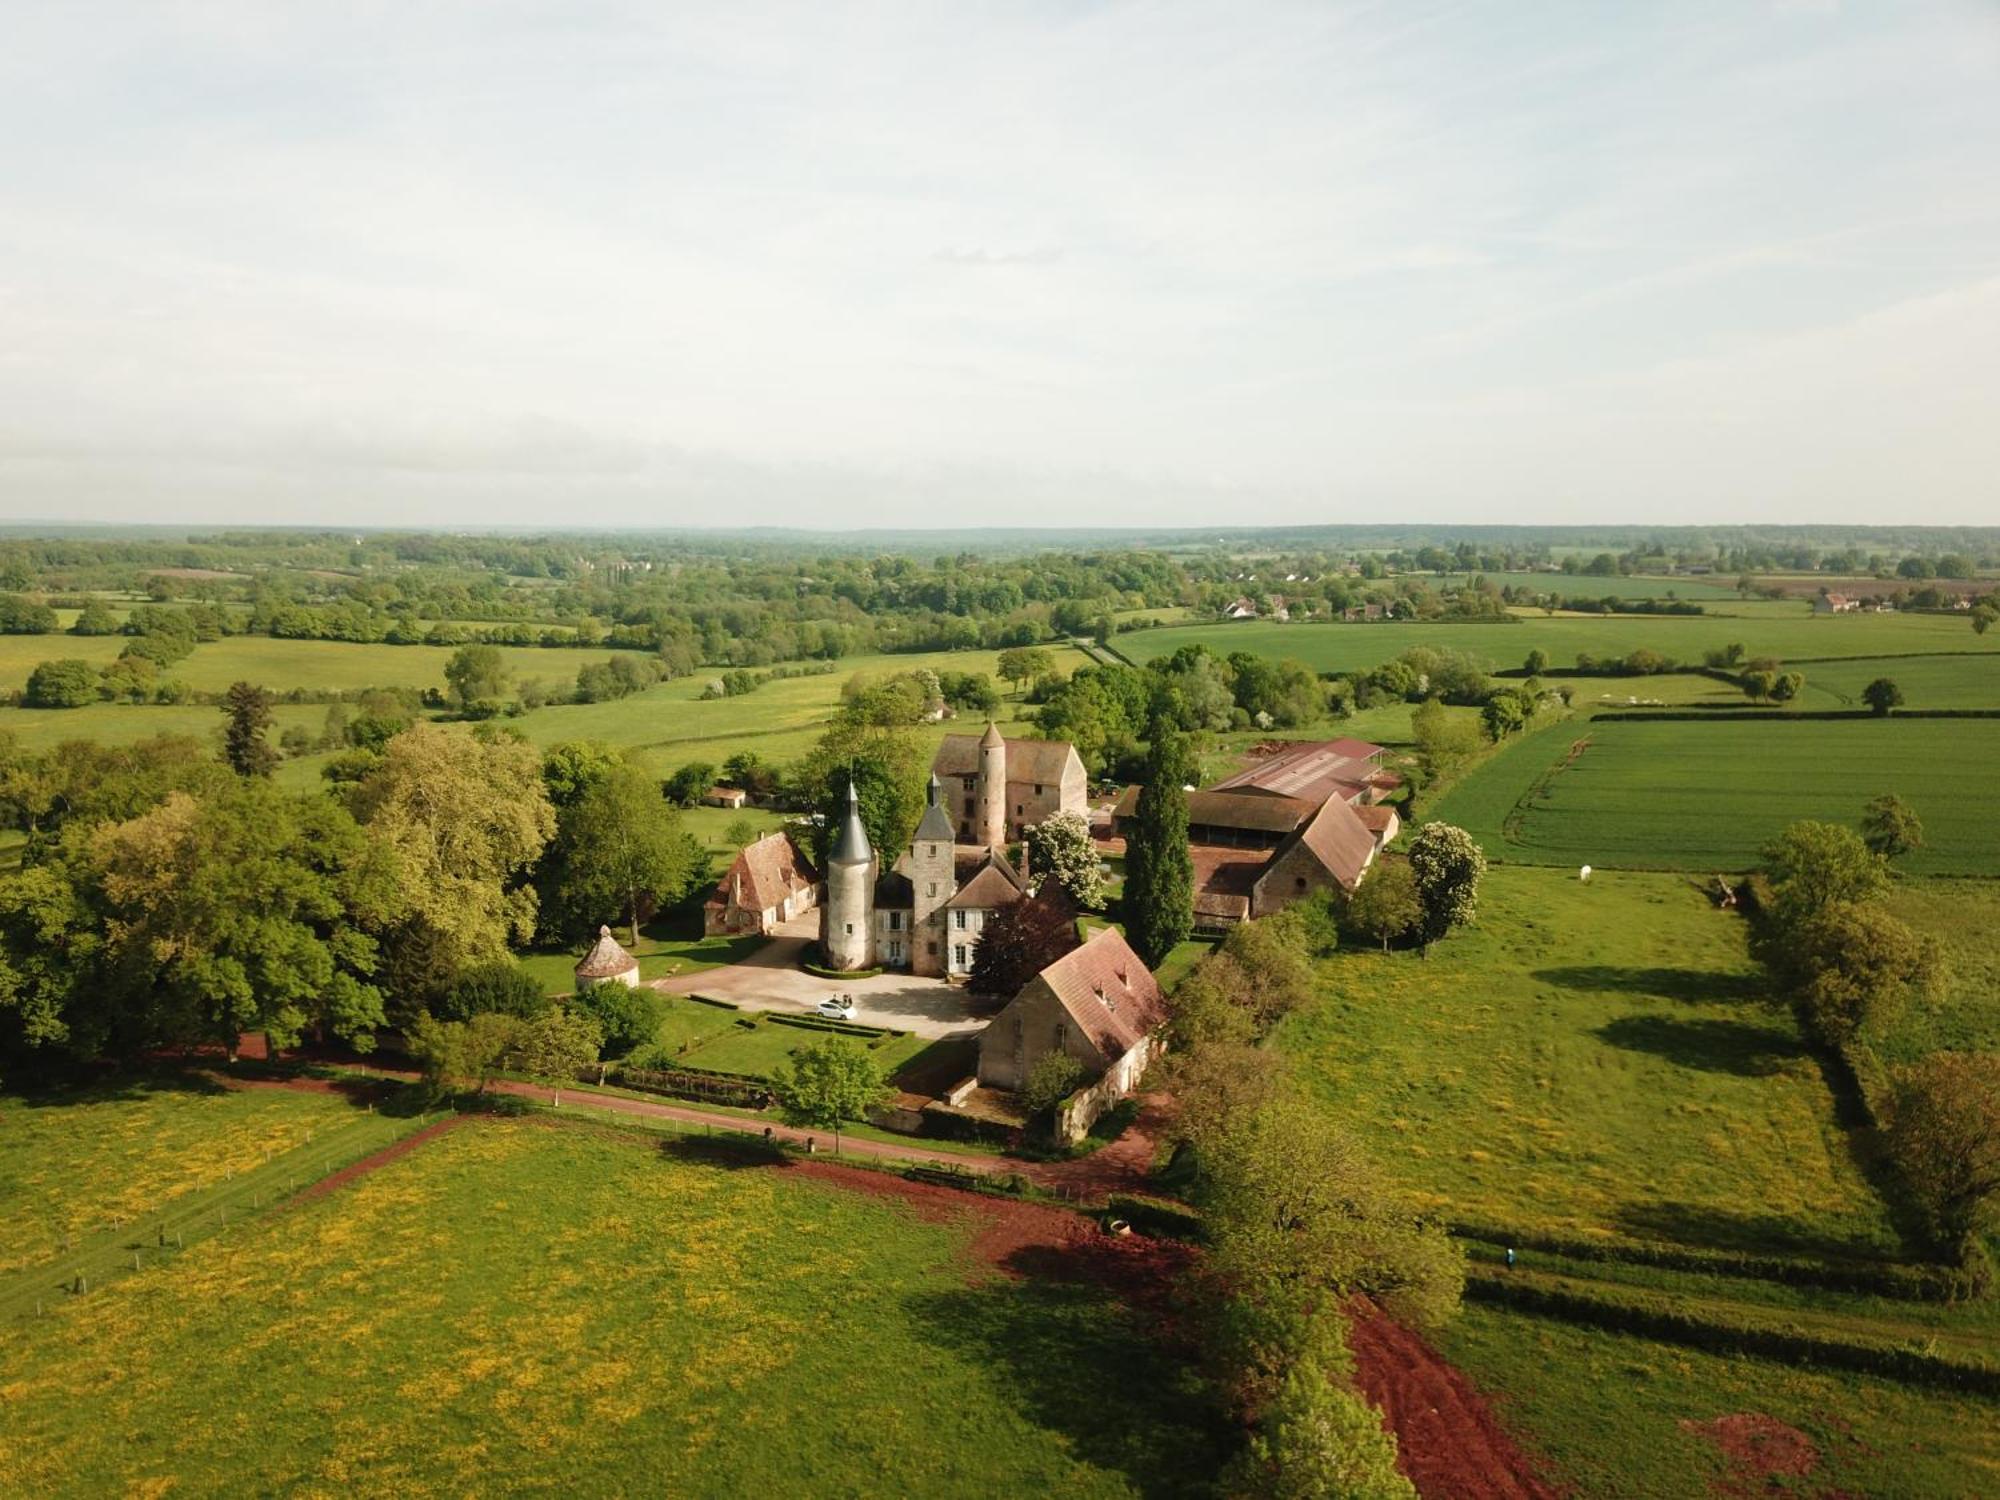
(1964, 918)
(1795, 637)
(122, 723)
(1587, 586)
(76, 1160)
(1969, 681)
(1599, 1059)
(582, 1312)
(1624, 1418)
(1709, 796)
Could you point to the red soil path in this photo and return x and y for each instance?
(338, 1180)
(1448, 1441)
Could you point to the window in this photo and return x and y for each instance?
(1062, 1036)
(1019, 810)
(895, 921)
(958, 919)
(1038, 789)
(895, 953)
(933, 851)
(958, 955)
(933, 886)
(933, 949)
(1300, 882)
(850, 929)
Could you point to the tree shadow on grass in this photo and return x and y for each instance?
(86, 1088)
(1743, 1048)
(1714, 1228)
(1073, 1359)
(731, 1150)
(1692, 985)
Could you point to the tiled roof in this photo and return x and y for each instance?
(1027, 760)
(895, 890)
(993, 882)
(1107, 991)
(607, 960)
(1260, 812)
(1312, 770)
(770, 869)
(1339, 839)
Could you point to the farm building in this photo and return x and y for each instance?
(607, 963)
(1098, 1004)
(722, 795)
(1300, 819)
(767, 884)
(994, 788)
(1835, 604)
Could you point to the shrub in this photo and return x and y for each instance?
(628, 1015)
(1053, 1078)
(67, 683)
(501, 987)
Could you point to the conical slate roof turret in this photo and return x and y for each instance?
(992, 735)
(850, 841)
(936, 824)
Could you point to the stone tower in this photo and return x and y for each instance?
(933, 877)
(847, 924)
(992, 825)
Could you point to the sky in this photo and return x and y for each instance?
(596, 263)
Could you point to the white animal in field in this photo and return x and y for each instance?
(1584, 873)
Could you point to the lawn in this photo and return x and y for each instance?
(1793, 637)
(1709, 796)
(668, 946)
(585, 1312)
(1597, 1059)
(76, 1160)
(1616, 1416)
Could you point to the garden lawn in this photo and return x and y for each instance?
(1615, 1416)
(1595, 1059)
(1709, 796)
(579, 1311)
(1793, 637)
(74, 1160)
(667, 947)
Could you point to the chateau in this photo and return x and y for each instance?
(925, 912)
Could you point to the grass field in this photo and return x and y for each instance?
(1964, 917)
(1971, 681)
(74, 1161)
(1585, 586)
(1709, 796)
(1795, 636)
(1596, 1059)
(1609, 1411)
(591, 1313)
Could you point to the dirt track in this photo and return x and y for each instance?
(1449, 1442)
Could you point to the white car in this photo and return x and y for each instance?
(837, 1008)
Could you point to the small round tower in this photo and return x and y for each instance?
(847, 934)
(992, 827)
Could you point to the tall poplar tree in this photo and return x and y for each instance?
(243, 744)
(1159, 872)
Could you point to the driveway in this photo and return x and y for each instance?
(771, 979)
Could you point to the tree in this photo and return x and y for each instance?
(1983, 618)
(500, 987)
(1787, 685)
(96, 618)
(1061, 849)
(1052, 1079)
(252, 910)
(1944, 1131)
(476, 675)
(243, 744)
(1386, 905)
(1890, 827)
(471, 1051)
(1881, 695)
(1158, 906)
(555, 1047)
(690, 783)
(1317, 1440)
(1277, 979)
(1021, 940)
(1537, 662)
(1023, 664)
(1217, 1082)
(65, 683)
(1759, 684)
(889, 767)
(616, 851)
(827, 1082)
(468, 816)
(1850, 966)
(1445, 740)
(1296, 1208)
(1813, 866)
(628, 1015)
(1446, 866)
(741, 833)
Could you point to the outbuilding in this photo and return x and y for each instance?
(607, 963)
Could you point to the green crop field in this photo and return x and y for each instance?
(74, 1161)
(1599, 1059)
(1585, 586)
(1624, 1418)
(1796, 636)
(568, 1309)
(1970, 681)
(1708, 796)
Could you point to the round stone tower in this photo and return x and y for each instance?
(992, 826)
(847, 933)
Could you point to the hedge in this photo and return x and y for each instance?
(696, 1083)
(1655, 1316)
(821, 972)
(1797, 716)
(821, 1023)
(1906, 1282)
(711, 1000)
